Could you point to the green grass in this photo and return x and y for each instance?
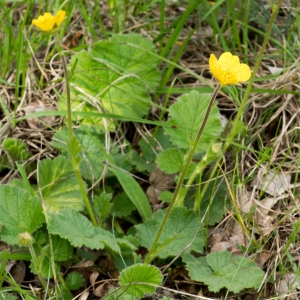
(114, 159)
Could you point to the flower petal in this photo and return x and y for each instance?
(244, 73)
(225, 57)
(228, 69)
(59, 17)
(49, 23)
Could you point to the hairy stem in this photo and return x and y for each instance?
(152, 250)
(71, 135)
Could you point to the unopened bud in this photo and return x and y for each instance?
(25, 238)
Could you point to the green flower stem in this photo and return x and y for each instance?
(71, 135)
(184, 190)
(180, 182)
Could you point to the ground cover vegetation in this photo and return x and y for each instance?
(149, 149)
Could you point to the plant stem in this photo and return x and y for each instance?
(71, 135)
(236, 121)
(37, 266)
(180, 182)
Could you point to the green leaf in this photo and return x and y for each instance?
(73, 146)
(129, 259)
(74, 280)
(140, 273)
(62, 250)
(59, 185)
(151, 146)
(103, 206)
(78, 230)
(92, 141)
(134, 192)
(71, 225)
(165, 196)
(7, 296)
(43, 262)
(116, 75)
(17, 208)
(140, 163)
(224, 270)
(179, 231)
(186, 117)
(122, 205)
(170, 161)
(214, 202)
(93, 151)
(14, 151)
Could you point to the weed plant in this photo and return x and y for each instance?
(128, 170)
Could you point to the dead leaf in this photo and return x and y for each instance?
(271, 182)
(275, 70)
(18, 272)
(153, 195)
(102, 289)
(237, 235)
(244, 200)
(83, 264)
(262, 257)
(216, 236)
(262, 214)
(287, 285)
(42, 122)
(222, 246)
(84, 295)
(160, 181)
(93, 278)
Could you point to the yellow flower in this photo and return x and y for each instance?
(228, 69)
(49, 23)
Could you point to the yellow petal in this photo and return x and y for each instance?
(228, 69)
(244, 73)
(214, 65)
(48, 22)
(225, 57)
(59, 17)
(212, 59)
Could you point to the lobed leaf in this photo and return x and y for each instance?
(59, 185)
(74, 280)
(186, 117)
(102, 206)
(78, 230)
(170, 161)
(115, 75)
(180, 230)
(143, 275)
(224, 270)
(17, 208)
